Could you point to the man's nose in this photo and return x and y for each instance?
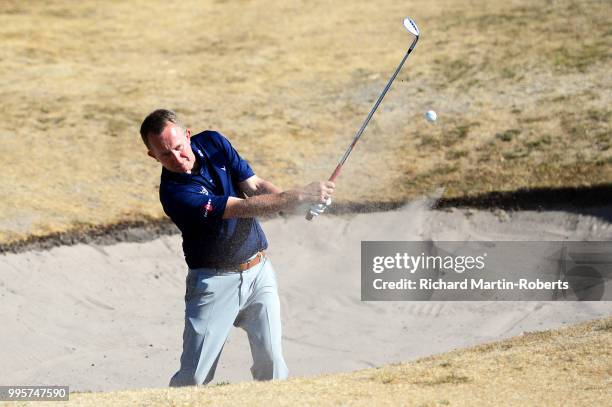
(176, 156)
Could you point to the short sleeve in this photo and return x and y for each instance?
(240, 167)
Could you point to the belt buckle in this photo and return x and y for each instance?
(253, 260)
(247, 264)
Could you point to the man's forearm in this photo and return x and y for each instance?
(259, 205)
(275, 200)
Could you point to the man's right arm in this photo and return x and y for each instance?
(314, 193)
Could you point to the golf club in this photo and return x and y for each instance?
(413, 29)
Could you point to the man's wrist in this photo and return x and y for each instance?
(293, 196)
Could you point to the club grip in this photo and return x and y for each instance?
(332, 178)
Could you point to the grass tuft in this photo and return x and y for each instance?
(507, 135)
(444, 379)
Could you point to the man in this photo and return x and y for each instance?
(213, 196)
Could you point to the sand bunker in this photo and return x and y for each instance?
(110, 317)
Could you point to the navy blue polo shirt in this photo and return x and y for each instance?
(196, 202)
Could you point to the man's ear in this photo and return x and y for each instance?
(150, 154)
(188, 133)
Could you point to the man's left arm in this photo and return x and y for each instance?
(255, 185)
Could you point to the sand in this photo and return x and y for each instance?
(103, 317)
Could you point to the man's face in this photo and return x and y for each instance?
(172, 149)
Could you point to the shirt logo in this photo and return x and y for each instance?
(208, 208)
(223, 168)
(203, 191)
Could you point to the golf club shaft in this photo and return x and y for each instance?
(336, 172)
(367, 120)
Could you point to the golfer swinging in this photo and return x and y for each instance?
(213, 196)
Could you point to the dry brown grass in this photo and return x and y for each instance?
(570, 366)
(522, 90)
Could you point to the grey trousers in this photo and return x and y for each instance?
(216, 300)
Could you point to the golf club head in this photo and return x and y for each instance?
(411, 26)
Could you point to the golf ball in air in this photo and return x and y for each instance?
(431, 116)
